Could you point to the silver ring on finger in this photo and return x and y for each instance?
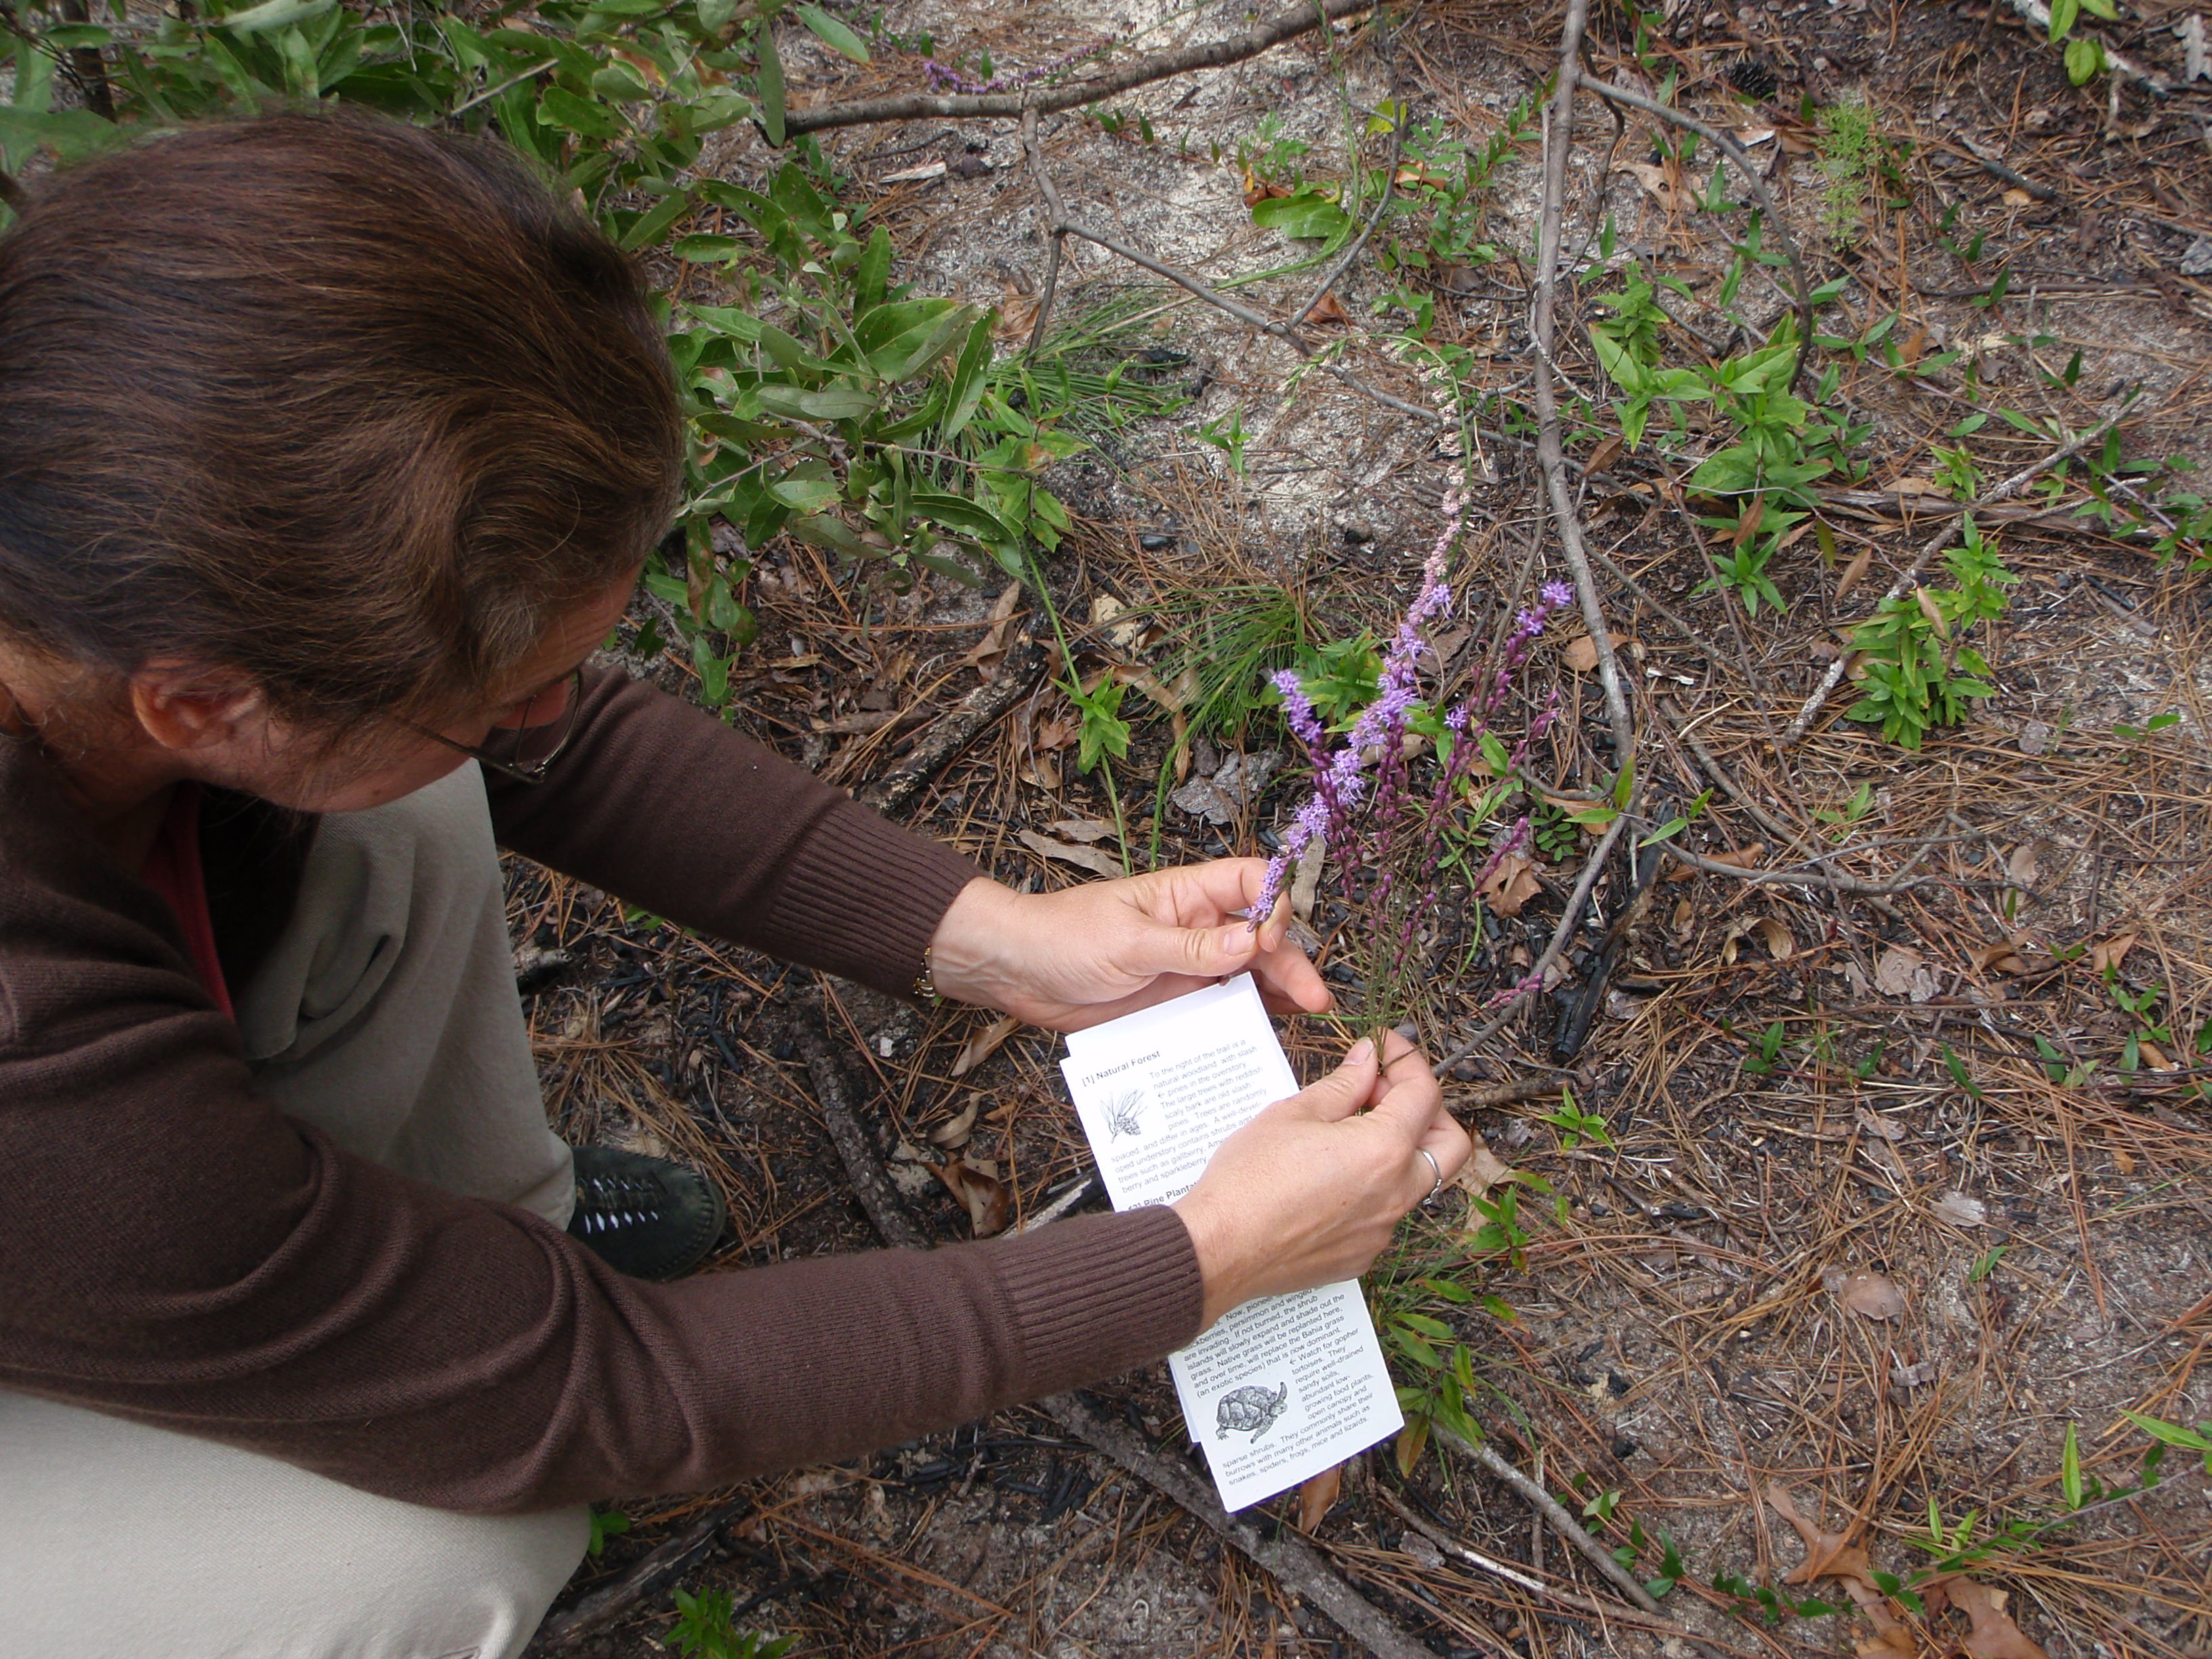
(1436, 1168)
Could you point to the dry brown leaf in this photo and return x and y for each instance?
(1684, 916)
(1743, 858)
(2153, 1056)
(1779, 944)
(2017, 198)
(1511, 885)
(979, 1048)
(1865, 1292)
(1328, 311)
(1932, 611)
(1896, 971)
(978, 1187)
(1581, 654)
(1096, 859)
(1994, 1634)
(1747, 522)
(1085, 830)
(1999, 955)
(1914, 485)
(2112, 953)
(1961, 1211)
(1887, 1129)
(1655, 183)
(2021, 866)
(955, 1131)
(1483, 1170)
(1315, 1497)
(988, 652)
(1827, 1554)
(1604, 455)
(1854, 572)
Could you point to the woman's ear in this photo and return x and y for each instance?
(182, 706)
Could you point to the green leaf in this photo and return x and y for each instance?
(2069, 1470)
(805, 495)
(563, 109)
(1731, 472)
(2085, 60)
(957, 512)
(831, 404)
(703, 250)
(619, 84)
(874, 268)
(650, 226)
(770, 85)
(2173, 1434)
(274, 15)
(1306, 213)
(832, 33)
(834, 533)
(901, 339)
(969, 379)
(2063, 14)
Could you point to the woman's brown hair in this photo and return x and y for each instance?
(349, 408)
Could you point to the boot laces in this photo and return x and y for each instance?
(606, 1204)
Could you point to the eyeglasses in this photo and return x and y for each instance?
(525, 749)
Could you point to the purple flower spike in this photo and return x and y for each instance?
(1557, 593)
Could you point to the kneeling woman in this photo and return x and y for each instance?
(329, 450)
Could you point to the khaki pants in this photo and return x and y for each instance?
(387, 1015)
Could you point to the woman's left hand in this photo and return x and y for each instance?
(1087, 954)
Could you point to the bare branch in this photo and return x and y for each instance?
(1559, 140)
(1262, 37)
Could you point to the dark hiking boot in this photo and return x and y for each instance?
(644, 1216)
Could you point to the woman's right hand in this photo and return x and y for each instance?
(1309, 1192)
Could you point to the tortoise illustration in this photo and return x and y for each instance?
(1122, 1114)
(1250, 1410)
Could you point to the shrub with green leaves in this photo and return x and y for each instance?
(826, 401)
(1920, 673)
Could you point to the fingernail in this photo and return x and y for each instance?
(1360, 1052)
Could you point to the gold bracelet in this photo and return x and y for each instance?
(925, 987)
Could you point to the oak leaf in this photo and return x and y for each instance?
(1511, 885)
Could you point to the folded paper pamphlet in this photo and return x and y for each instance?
(1279, 1389)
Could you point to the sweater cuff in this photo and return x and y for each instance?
(863, 898)
(1096, 1296)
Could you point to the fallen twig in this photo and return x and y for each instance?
(1824, 878)
(1558, 139)
(833, 1092)
(657, 1571)
(1512, 1575)
(1294, 1565)
(1261, 37)
(1486, 1457)
(977, 712)
(1928, 549)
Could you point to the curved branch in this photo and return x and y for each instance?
(1559, 140)
(1262, 37)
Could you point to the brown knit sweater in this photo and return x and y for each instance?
(174, 1250)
